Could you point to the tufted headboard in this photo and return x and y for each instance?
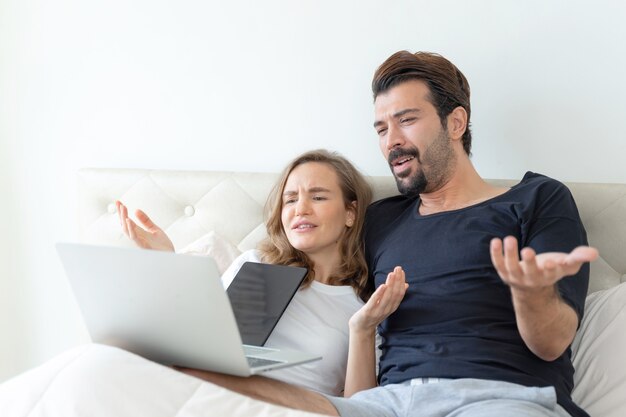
(189, 204)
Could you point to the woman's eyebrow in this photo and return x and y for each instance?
(310, 190)
(318, 190)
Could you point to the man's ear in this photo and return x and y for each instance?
(457, 123)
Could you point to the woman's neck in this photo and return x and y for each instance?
(324, 265)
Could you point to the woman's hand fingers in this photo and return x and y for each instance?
(123, 215)
(150, 236)
(131, 227)
(146, 221)
(384, 301)
(398, 286)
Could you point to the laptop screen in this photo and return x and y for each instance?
(259, 294)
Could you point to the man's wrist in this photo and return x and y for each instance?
(540, 295)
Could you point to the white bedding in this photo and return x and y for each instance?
(97, 381)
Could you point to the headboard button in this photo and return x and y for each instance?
(189, 211)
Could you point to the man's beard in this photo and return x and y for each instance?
(414, 185)
(439, 157)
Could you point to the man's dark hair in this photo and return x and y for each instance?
(448, 86)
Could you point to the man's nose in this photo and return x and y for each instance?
(394, 137)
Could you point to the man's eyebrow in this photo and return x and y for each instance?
(397, 115)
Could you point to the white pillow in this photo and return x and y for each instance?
(599, 354)
(215, 246)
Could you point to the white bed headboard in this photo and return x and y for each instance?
(189, 204)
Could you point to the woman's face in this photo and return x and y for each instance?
(314, 214)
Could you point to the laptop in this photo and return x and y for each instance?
(173, 309)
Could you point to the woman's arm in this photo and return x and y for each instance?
(150, 236)
(361, 371)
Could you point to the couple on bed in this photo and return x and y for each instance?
(469, 324)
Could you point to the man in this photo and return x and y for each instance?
(480, 331)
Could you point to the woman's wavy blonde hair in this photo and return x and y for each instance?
(276, 248)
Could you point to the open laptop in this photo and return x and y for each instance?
(172, 308)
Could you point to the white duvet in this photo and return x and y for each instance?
(95, 380)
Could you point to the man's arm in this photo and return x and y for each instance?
(269, 390)
(546, 323)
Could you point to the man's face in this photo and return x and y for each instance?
(412, 139)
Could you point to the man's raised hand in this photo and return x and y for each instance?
(535, 272)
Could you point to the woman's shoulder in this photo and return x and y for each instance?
(252, 255)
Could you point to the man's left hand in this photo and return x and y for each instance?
(535, 272)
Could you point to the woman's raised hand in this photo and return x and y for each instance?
(150, 236)
(384, 301)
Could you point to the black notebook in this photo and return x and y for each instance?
(259, 295)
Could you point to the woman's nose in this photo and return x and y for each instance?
(302, 206)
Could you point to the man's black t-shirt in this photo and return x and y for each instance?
(457, 318)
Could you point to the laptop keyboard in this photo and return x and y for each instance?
(256, 362)
(256, 350)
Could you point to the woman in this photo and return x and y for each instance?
(315, 215)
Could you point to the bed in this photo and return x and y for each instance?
(220, 214)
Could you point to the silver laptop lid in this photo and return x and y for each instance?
(167, 307)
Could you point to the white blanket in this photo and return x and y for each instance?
(95, 380)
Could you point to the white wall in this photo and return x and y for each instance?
(246, 85)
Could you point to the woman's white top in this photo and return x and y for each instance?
(315, 321)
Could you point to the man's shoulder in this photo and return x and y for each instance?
(389, 205)
(537, 178)
(541, 183)
(540, 193)
(394, 202)
(380, 212)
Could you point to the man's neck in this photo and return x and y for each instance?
(464, 188)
